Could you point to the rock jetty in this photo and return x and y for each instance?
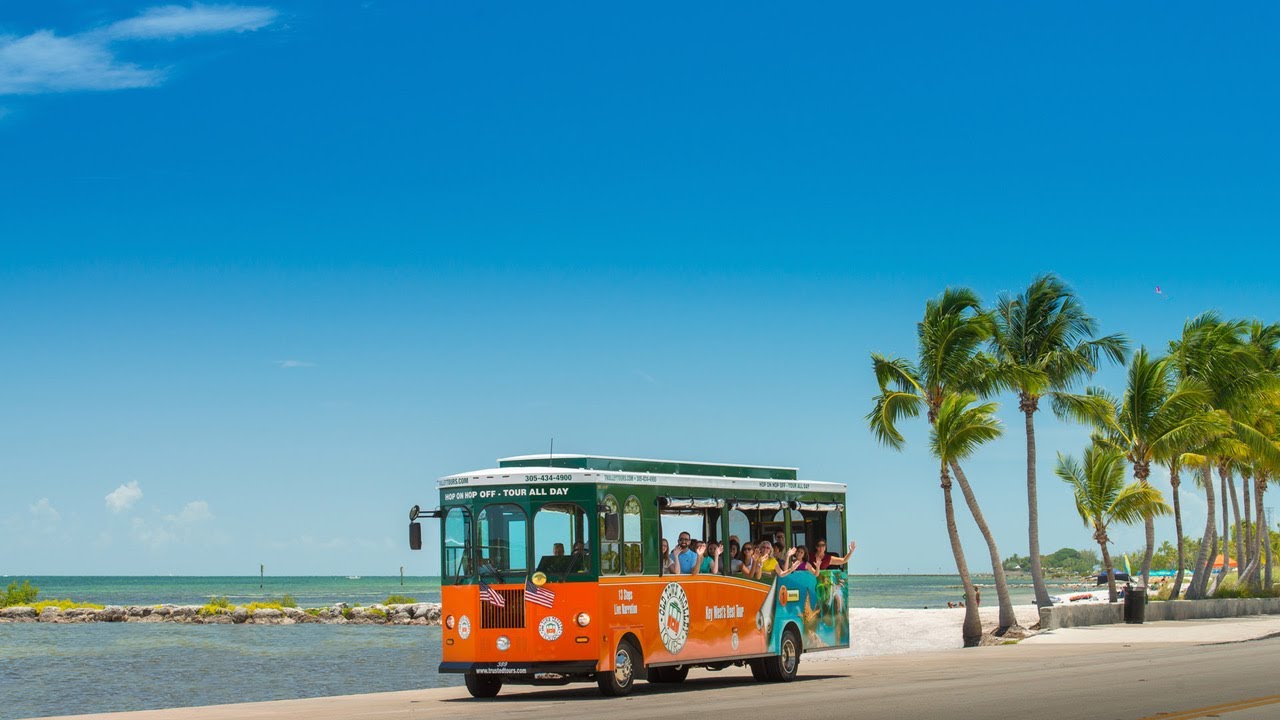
(339, 614)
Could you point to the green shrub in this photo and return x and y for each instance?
(313, 612)
(376, 612)
(346, 613)
(288, 601)
(268, 605)
(216, 606)
(399, 600)
(64, 604)
(15, 594)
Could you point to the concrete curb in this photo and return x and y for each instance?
(1065, 616)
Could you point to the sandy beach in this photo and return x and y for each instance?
(894, 631)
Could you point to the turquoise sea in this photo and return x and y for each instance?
(48, 669)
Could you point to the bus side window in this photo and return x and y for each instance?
(610, 545)
(632, 555)
(835, 532)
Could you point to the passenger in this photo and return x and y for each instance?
(779, 545)
(745, 559)
(824, 560)
(557, 550)
(686, 557)
(708, 558)
(735, 561)
(766, 563)
(581, 558)
(790, 565)
(802, 561)
(669, 564)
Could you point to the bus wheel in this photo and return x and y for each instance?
(483, 686)
(758, 670)
(784, 666)
(626, 663)
(669, 674)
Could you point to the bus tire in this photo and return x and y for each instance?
(758, 670)
(627, 663)
(483, 686)
(669, 674)
(784, 666)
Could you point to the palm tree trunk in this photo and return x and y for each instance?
(1175, 481)
(1033, 514)
(1111, 572)
(972, 628)
(1235, 514)
(1246, 515)
(1141, 471)
(1266, 535)
(1008, 618)
(1225, 538)
(1204, 561)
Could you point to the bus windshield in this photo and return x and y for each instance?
(560, 540)
(503, 547)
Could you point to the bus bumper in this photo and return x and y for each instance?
(550, 672)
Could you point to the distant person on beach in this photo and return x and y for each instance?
(825, 560)
(977, 596)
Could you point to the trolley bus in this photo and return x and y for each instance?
(552, 572)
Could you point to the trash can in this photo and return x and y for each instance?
(1135, 604)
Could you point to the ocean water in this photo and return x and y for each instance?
(48, 669)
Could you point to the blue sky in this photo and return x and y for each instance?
(268, 270)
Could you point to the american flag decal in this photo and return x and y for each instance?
(491, 596)
(538, 595)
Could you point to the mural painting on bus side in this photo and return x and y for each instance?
(817, 604)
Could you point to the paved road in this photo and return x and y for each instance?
(1139, 681)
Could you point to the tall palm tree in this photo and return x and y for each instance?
(1214, 352)
(950, 337)
(1102, 498)
(1044, 345)
(1156, 418)
(960, 429)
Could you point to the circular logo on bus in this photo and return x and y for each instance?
(673, 617)
(733, 640)
(464, 627)
(550, 628)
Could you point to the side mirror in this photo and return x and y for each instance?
(415, 536)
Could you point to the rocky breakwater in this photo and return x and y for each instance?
(339, 614)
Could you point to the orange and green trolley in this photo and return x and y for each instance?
(552, 571)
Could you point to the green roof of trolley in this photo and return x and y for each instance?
(643, 465)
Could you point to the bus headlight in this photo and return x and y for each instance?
(504, 643)
(583, 619)
(539, 578)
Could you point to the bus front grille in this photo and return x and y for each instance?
(511, 616)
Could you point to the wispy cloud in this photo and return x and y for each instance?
(170, 22)
(124, 497)
(45, 62)
(289, 364)
(44, 511)
(179, 527)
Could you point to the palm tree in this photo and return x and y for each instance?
(1156, 419)
(960, 429)
(950, 336)
(1214, 352)
(1044, 344)
(1102, 498)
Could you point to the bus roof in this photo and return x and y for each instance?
(592, 469)
(648, 465)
